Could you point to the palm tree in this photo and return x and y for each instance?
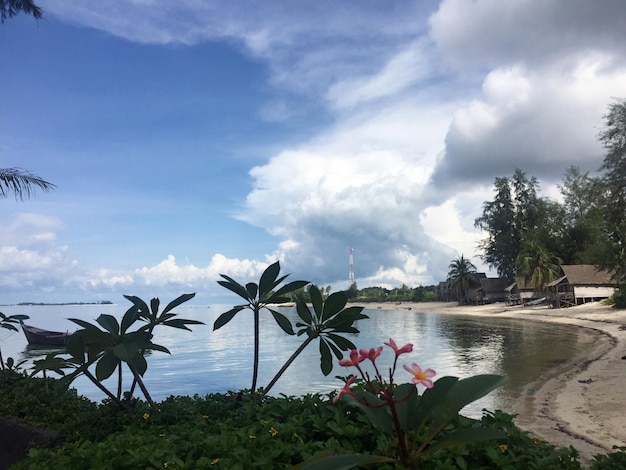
(21, 183)
(537, 265)
(461, 272)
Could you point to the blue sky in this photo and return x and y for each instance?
(195, 138)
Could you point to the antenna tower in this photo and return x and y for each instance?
(351, 274)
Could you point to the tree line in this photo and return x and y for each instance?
(532, 236)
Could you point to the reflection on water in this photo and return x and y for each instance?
(207, 361)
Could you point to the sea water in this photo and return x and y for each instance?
(205, 361)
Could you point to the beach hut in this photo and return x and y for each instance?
(494, 289)
(520, 292)
(580, 283)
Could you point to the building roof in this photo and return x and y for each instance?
(585, 274)
(494, 284)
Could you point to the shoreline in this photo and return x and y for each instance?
(579, 404)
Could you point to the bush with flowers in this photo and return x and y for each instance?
(417, 424)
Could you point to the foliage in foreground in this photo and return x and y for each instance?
(241, 431)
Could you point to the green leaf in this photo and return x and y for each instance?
(343, 343)
(379, 415)
(340, 462)
(346, 317)
(432, 399)
(235, 287)
(178, 301)
(226, 317)
(182, 323)
(465, 436)
(290, 287)
(126, 351)
(142, 307)
(106, 366)
(252, 290)
(130, 317)
(303, 312)
(266, 283)
(405, 396)
(464, 392)
(110, 324)
(336, 351)
(140, 364)
(326, 358)
(8, 326)
(316, 300)
(282, 321)
(334, 303)
(157, 347)
(154, 307)
(75, 347)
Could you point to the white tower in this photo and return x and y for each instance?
(351, 274)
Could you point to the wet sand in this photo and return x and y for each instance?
(581, 404)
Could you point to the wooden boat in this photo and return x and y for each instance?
(43, 337)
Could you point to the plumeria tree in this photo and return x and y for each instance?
(413, 421)
(259, 297)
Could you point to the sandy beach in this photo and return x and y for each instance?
(582, 404)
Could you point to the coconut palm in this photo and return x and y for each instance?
(461, 272)
(537, 265)
(21, 183)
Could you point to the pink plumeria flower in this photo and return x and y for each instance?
(372, 354)
(407, 348)
(421, 376)
(346, 389)
(354, 360)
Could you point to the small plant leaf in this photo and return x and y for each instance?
(226, 317)
(282, 321)
(317, 302)
(266, 283)
(343, 343)
(110, 324)
(252, 290)
(303, 312)
(235, 287)
(154, 307)
(178, 301)
(130, 317)
(334, 303)
(106, 366)
(340, 462)
(288, 288)
(326, 358)
(465, 436)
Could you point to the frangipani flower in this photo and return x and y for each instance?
(346, 389)
(354, 360)
(372, 354)
(421, 376)
(407, 348)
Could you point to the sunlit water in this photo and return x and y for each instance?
(206, 361)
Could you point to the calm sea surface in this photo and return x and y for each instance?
(206, 361)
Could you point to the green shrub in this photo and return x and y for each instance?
(238, 431)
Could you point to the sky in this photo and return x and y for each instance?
(196, 138)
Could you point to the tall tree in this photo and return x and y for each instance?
(10, 8)
(500, 246)
(515, 211)
(613, 185)
(462, 273)
(537, 265)
(21, 183)
(584, 240)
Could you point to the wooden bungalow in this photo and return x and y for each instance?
(579, 284)
(494, 289)
(522, 291)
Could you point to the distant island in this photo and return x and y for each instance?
(102, 302)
